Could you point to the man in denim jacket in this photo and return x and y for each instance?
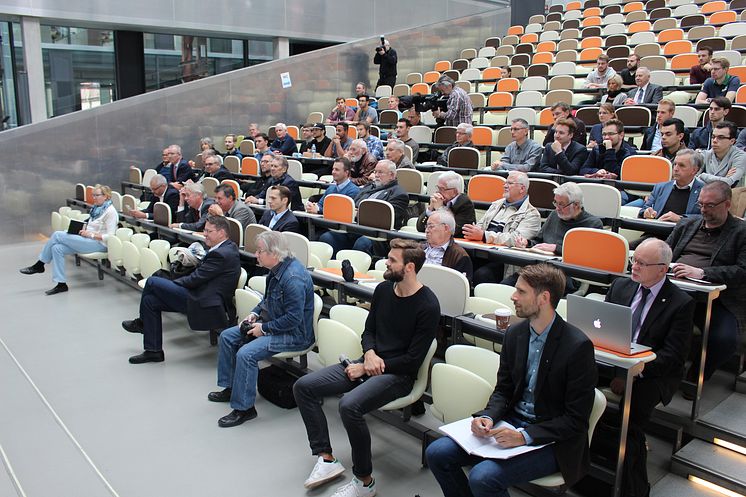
(282, 322)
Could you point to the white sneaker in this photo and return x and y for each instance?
(356, 489)
(323, 472)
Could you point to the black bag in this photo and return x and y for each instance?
(276, 385)
(348, 272)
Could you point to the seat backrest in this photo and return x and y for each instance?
(210, 184)
(352, 316)
(457, 393)
(360, 260)
(646, 169)
(232, 164)
(634, 115)
(597, 249)
(479, 361)
(249, 165)
(299, 246)
(335, 339)
(541, 193)
(463, 158)
(601, 200)
(162, 215)
(376, 213)
(445, 134)
(249, 238)
(149, 262)
(485, 188)
(235, 231)
(450, 286)
(738, 203)
(411, 180)
(340, 208)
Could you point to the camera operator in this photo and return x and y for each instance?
(386, 59)
(459, 106)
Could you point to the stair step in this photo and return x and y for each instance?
(726, 420)
(741, 383)
(712, 463)
(671, 485)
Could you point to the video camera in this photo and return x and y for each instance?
(423, 103)
(382, 48)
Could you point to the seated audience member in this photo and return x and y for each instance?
(260, 184)
(556, 413)
(206, 144)
(393, 104)
(701, 138)
(191, 213)
(363, 162)
(178, 171)
(713, 248)
(628, 74)
(401, 326)
(278, 216)
(230, 147)
(281, 322)
(741, 142)
(205, 295)
(440, 248)
(522, 154)
(505, 221)
(563, 155)
(506, 72)
(599, 77)
(724, 162)
(402, 133)
(227, 205)
(449, 195)
(163, 163)
(384, 187)
(396, 153)
(318, 139)
(645, 92)
(662, 316)
(605, 160)
(252, 131)
(561, 110)
(720, 83)
(375, 147)
(214, 169)
(161, 191)
(605, 112)
(651, 139)
(365, 113)
(673, 200)
(362, 89)
(463, 139)
(341, 113)
(278, 172)
(672, 138)
(306, 138)
(614, 93)
(261, 146)
(342, 185)
(459, 108)
(340, 143)
(699, 73)
(101, 224)
(284, 144)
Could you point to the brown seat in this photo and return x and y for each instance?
(618, 64)
(492, 42)
(616, 41)
(463, 158)
(612, 9)
(590, 31)
(692, 20)
(541, 193)
(162, 215)
(618, 52)
(634, 116)
(538, 70)
(460, 64)
(715, 43)
(376, 213)
(589, 115)
(80, 192)
(651, 5)
(453, 74)
(521, 59)
(737, 116)
(554, 16)
(445, 134)
(524, 48)
(571, 24)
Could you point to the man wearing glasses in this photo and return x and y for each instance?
(522, 154)
(701, 138)
(672, 200)
(605, 160)
(720, 83)
(161, 192)
(724, 162)
(440, 249)
(450, 196)
(713, 248)
(463, 139)
(661, 319)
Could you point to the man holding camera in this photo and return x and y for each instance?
(459, 109)
(386, 60)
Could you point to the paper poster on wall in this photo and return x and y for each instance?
(285, 78)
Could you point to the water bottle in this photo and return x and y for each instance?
(313, 151)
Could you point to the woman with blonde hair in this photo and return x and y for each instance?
(605, 112)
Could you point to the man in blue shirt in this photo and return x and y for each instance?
(721, 84)
(375, 147)
(342, 185)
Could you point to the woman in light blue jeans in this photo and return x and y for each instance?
(101, 224)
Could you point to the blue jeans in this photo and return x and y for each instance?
(488, 477)
(62, 243)
(158, 296)
(345, 241)
(238, 366)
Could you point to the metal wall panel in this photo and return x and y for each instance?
(42, 162)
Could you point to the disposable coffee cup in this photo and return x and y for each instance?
(502, 318)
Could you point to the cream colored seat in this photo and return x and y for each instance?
(150, 262)
(457, 393)
(420, 383)
(352, 316)
(318, 305)
(335, 339)
(481, 362)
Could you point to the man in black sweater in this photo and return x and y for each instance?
(398, 333)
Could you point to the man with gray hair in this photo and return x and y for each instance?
(522, 154)
(161, 191)
(645, 92)
(281, 322)
(672, 200)
(463, 139)
(284, 144)
(178, 171)
(192, 211)
(459, 109)
(396, 153)
(440, 248)
(363, 162)
(449, 195)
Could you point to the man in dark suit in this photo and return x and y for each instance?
(661, 319)
(561, 110)
(563, 155)
(545, 389)
(205, 295)
(278, 217)
(606, 158)
(161, 192)
(645, 92)
(713, 248)
(214, 169)
(177, 171)
(651, 138)
(192, 211)
(450, 195)
(672, 200)
(278, 172)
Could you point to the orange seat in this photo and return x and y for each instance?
(646, 169)
(482, 135)
(442, 65)
(591, 21)
(515, 30)
(739, 71)
(352, 132)
(590, 54)
(543, 58)
(249, 165)
(530, 38)
(715, 6)
(678, 47)
(632, 6)
(233, 184)
(89, 195)
(638, 26)
(723, 17)
(508, 84)
(430, 77)
(422, 88)
(741, 95)
(339, 208)
(485, 188)
(573, 6)
(500, 99)
(591, 42)
(545, 117)
(592, 12)
(684, 61)
(294, 132)
(670, 35)
(491, 73)
(597, 249)
(546, 46)
(351, 102)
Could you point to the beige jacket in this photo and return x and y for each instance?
(525, 221)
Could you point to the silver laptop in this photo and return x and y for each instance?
(608, 325)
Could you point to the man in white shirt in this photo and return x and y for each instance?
(601, 75)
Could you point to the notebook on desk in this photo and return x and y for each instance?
(609, 326)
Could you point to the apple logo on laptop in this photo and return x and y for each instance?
(597, 323)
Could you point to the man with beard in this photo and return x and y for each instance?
(340, 143)
(363, 162)
(398, 333)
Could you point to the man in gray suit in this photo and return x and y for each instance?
(226, 205)
(646, 92)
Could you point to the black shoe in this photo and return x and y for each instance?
(222, 396)
(236, 418)
(61, 287)
(147, 356)
(36, 268)
(133, 326)
(418, 408)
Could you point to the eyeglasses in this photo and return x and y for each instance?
(721, 137)
(612, 133)
(562, 206)
(443, 188)
(517, 129)
(98, 195)
(701, 206)
(432, 226)
(206, 230)
(634, 261)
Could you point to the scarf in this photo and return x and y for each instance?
(98, 210)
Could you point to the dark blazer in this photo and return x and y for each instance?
(564, 392)
(171, 197)
(579, 136)
(653, 94)
(183, 171)
(296, 203)
(649, 135)
(609, 160)
(219, 175)
(701, 138)
(567, 162)
(667, 329)
(193, 220)
(391, 193)
(727, 263)
(211, 287)
(658, 198)
(288, 222)
(462, 210)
